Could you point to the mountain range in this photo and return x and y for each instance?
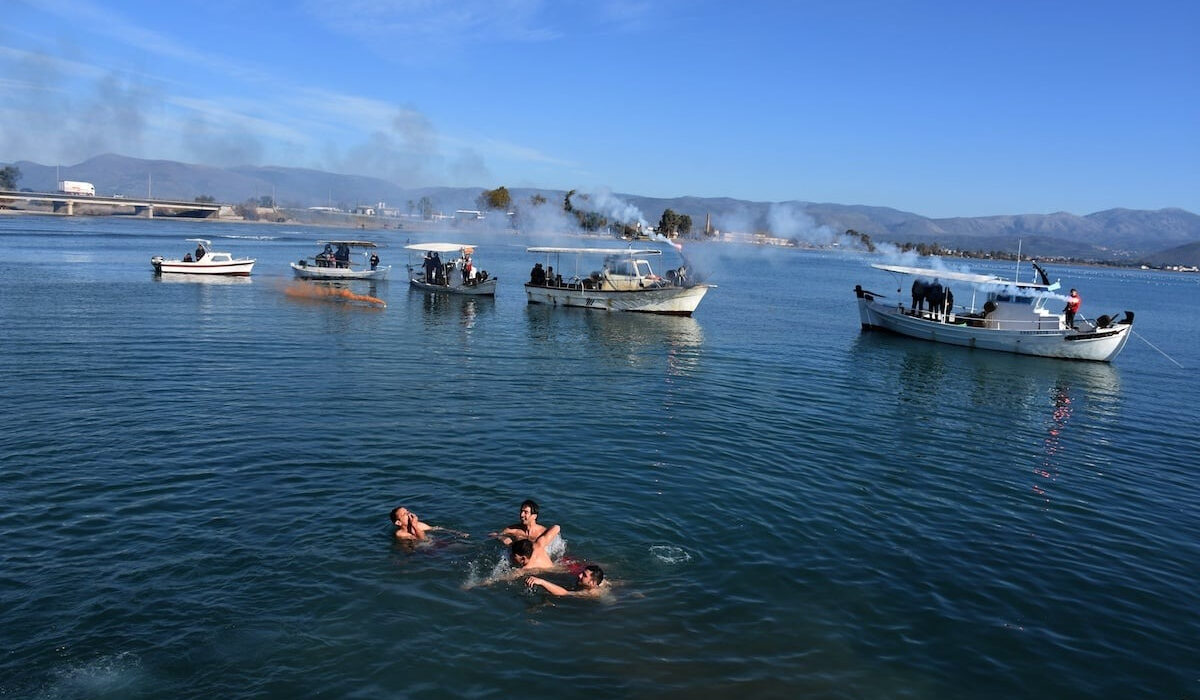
(1166, 236)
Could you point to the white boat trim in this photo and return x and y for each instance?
(352, 270)
(1014, 319)
(480, 285)
(211, 263)
(630, 285)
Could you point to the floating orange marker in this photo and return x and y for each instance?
(319, 293)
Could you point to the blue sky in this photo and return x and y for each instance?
(939, 108)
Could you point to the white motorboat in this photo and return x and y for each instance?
(458, 273)
(1012, 316)
(206, 262)
(624, 282)
(337, 262)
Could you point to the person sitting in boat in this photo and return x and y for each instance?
(199, 252)
(187, 257)
(342, 256)
(537, 276)
(1072, 308)
(325, 257)
(374, 260)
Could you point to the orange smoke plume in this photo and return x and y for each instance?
(320, 293)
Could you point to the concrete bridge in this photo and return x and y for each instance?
(64, 203)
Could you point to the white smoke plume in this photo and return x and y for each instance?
(615, 209)
(786, 220)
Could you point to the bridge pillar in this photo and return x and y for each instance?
(70, 207)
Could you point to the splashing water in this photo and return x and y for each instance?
(670, 554)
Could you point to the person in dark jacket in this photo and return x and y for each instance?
(918, 294)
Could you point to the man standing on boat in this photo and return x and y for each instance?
(1072, 308)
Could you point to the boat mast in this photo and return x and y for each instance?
(1017, 271)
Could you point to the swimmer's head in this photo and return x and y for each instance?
(521, 551)
(398, 513)
(529, 509)
(591, 576)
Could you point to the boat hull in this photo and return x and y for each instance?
(1100, 345)
(235, 268)
(487, 288)
(313, 272)
(673, 301)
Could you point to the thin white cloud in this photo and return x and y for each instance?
(433, 22)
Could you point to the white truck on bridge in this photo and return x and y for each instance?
(76, 187)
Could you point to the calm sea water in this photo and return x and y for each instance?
(195, 477)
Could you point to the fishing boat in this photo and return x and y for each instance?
(457, 273)
(1011, 316)
(337, 261)
(624, 282)
(206, 262)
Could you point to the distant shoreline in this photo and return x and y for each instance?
(744, 240)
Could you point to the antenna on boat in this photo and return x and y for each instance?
(1017, 271)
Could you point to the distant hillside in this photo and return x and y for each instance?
(1114, 234)
(1187, 255)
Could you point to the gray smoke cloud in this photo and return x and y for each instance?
(787, 220)
(604, 202)
(54, 118)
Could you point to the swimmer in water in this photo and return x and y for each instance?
(527, 529)
(531, 554)
(409, 526)
(587, 584)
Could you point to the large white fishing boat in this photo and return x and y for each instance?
(459, 274)
(624, 282)
(1011, 316)
(337, 262)
(205, 262)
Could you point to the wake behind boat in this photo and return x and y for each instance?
(205, 262)
(1012, 317)
(455, 275)
(336, 262)
(625, 282)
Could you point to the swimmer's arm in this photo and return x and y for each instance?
(548, 536)
(504, 539)
(460, 533)
(551, 588)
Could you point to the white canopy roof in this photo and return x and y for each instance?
(969, 277)
(439, 247)
(941, 274)
(202, 241)
(594, 251)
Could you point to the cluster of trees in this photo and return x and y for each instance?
(423, 205)
(9, 175)
(498, 198)
(863, 238)
(672, 225)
